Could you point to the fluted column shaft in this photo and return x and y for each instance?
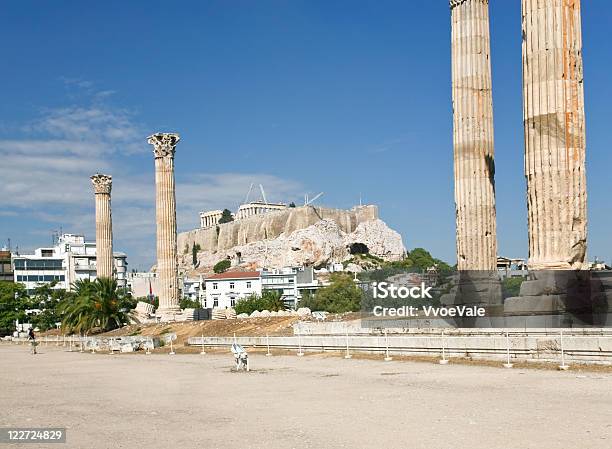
(553, 114)
(104, 226)
(474, 166)
(167, 267)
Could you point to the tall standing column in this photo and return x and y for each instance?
(553, 116)
(164, 146)
(473, 136)
(104, 226)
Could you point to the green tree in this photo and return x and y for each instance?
(47, 299)
(511, 286)
(291, 204)
(222, 266)
(194, 253)
(226, 216)
(13, 303)
(269, 300)
(98, 305)
(342, 295)
(187, 303)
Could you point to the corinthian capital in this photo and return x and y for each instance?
(102, 183)
(164, 144)
(455, 3)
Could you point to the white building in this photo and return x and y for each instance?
(69, 260)
(191, 289)
(225, 289)
(143, 284)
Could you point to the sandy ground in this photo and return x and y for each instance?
(193, 401)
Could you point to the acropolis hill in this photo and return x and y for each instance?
(307, 235)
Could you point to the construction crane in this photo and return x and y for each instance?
(308, 202)
(263, 194)
(246, 199)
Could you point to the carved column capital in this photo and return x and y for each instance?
(455, 3)
(164, 144)
(102, 183)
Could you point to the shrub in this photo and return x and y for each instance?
(342, 295)
(269, 300)
(187, 303)
(222, 266)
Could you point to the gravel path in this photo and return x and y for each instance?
(194, 401)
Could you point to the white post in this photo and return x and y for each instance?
(70, 344)
(268, 354)
(64, 340)
(202, 352)
(82, 344)
(148, 351)
(171, 347)
(93, 347)
(57, 340)
(507, 364)
(300, 353)
(110, 346)
(563, 366)
(388, 358)
(348, 354)
(443, 361)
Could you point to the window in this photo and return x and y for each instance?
(216, 302)
(248, 284)
(231, 285)
(215, 285)
(233, 301)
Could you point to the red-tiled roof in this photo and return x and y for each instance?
(235, 275)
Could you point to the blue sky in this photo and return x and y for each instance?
(345, 97)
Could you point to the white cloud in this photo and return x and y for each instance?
(45, 175)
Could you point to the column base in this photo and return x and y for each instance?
(168, 314)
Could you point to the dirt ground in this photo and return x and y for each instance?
(253, 327)
(197, 401)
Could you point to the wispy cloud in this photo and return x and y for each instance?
(45, 175)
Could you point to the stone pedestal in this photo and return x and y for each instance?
(473, 136)
(164, 146)
(105, 263)
(553, 113)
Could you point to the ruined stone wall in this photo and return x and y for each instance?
(271, 225)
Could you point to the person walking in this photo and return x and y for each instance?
(32, 339)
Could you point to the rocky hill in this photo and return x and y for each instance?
(297, 236)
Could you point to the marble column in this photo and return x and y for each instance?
(554, 124)
(474, 166)
(164, 147)
(105, 264)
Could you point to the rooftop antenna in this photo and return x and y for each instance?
(9, 243)
(313, 199)
(360, 199)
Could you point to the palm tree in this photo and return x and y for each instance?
(100, 304)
